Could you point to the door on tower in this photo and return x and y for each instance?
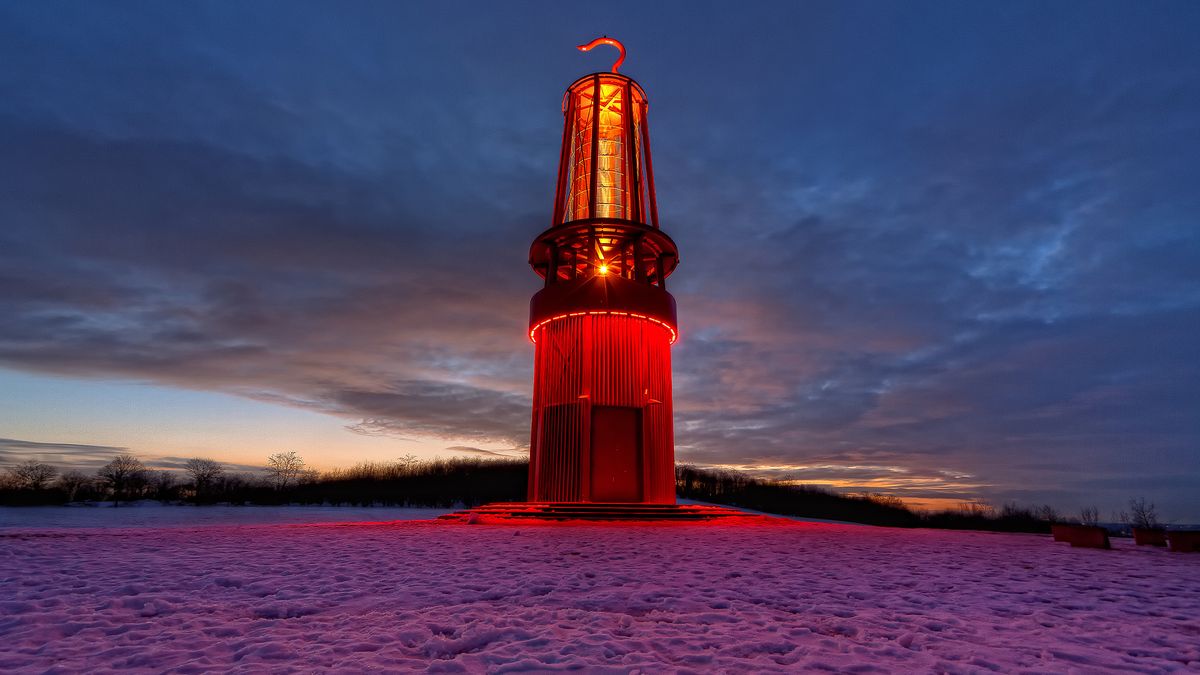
(616, 466)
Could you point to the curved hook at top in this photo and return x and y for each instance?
(605, 40)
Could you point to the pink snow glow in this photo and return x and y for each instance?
(447, 597)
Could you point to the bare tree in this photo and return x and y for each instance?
(1014, 510)
(1049, 514)
(1121, 517)
(123, 474)
(285, 468)
(72, 482)
(203, 472)
(32, 475)
(890, 501)
(1143, 514)
(976, 509)
(1089, 515)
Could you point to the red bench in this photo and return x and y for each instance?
(1082, 536)
(1184, 541)
(1149, 536)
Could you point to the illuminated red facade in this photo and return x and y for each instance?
(604, 322)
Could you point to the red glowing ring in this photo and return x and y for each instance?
(664, 324)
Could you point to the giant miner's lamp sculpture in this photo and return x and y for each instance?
(602, 446)
(604, 322)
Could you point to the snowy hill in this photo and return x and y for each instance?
(411, 595)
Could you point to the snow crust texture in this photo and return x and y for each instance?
(682, 598)
(153, 514)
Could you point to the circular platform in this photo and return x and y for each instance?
(564, 512)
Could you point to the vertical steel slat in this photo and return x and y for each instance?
(534, 426)
(649, 167)
(564, 157)
(590, 262)
(595, 163)
(632, 159)
(637, 258)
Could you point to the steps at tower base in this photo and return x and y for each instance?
(563, 512)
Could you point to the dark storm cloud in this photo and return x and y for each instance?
(14, 451)
(508, 454)
(252, 291)
(86, 456)
(437, 409)
(950, 249)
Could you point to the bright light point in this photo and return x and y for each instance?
(604, 269)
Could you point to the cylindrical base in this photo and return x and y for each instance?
(602, 419)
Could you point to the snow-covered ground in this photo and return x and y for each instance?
(154, 514)
(474, 598)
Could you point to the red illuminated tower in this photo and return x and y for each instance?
(604, 322)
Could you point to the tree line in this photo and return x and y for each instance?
(734, 488)
(286, 479)
(449, 483)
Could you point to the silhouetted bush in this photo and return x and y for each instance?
(1010, 518)
(441, 483)
(738, 489)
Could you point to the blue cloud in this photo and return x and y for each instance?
(946, 240)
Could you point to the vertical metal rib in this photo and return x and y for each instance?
(633, 202)
(649, 167)
(563, 189)
(595, 158)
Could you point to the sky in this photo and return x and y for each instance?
(948, 251)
